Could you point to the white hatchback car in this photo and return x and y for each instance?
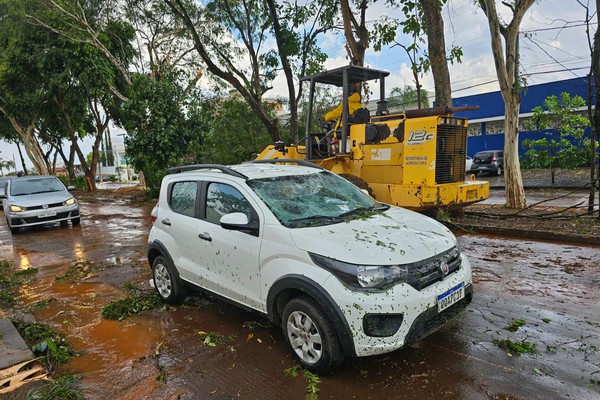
(341, 273)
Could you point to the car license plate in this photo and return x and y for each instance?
(452, 296)
(46, 214)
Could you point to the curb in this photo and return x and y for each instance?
(543, 235)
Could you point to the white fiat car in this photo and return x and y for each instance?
(344, 275)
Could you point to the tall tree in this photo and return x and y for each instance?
(507, 69)
(23, 80)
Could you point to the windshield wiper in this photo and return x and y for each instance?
(312, 218)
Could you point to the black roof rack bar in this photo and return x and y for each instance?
(194, 167)
(286, 161)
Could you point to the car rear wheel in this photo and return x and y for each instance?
(310, 335)
(499, 171)
(166, 281)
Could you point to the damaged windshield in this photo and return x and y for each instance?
(314, 199)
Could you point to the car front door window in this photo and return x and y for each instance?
(224, 199)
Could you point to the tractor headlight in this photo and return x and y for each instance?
(376, 277)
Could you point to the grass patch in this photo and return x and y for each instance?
(546, 320)
(38, 305)
(77, 272)
(45, 341)
(515, 347)
(11, 280)
(515, 325)
(132, 305)
(312, 381)
(66, 387)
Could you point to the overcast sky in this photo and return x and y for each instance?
(553, 47)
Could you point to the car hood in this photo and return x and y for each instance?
(396, 236)
(38, 199)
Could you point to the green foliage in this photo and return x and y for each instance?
(11, 280)
(312, 381)
(406, 98)
(46, 341)
(572, 148)
(515, 325)
(66, 388)
(132, 305)
(79, 182)
(162, 130)
(515, 347)
(233, 132)
(76, 272)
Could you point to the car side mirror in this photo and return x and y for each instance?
(69, 188)
(239, 222)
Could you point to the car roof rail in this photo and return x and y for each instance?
(195, 167)
(303, 163)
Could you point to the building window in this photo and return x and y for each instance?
(122, 159)
(474, 129)
(494, 127)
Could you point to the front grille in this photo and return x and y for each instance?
(49, 206)
(431, 320)
(451, 153)
(429, 271)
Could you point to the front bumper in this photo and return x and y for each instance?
(32, 218)
(418, 310)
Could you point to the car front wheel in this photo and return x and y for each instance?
(166, 281)
(310, 335)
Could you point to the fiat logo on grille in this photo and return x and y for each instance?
(444, 267)
(45, 206)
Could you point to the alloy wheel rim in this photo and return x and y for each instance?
(304, 337)
(162, 280)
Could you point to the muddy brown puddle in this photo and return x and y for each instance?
(164, 354)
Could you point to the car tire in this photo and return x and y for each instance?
(76, 221)
(310, 335)
(167, 282)
(499, 171)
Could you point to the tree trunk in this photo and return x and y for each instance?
(436, 46)
(513, 181)
(32, 147)
(355, 46)
(507, 67)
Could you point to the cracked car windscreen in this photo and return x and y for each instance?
(311, 200)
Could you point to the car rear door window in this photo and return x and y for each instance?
(224, 199)
(183, 198)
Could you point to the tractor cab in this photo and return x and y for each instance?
(332, 141)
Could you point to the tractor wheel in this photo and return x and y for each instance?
(358, 182)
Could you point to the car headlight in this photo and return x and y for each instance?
(14, 208)
(377, 277)
(380, 277)
(69, 202)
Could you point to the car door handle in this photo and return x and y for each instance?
(205, 236)
(166, 222)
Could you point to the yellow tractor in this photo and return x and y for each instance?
(414, 159)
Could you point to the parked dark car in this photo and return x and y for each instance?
(489, 161)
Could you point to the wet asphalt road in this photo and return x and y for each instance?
(552, 287)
